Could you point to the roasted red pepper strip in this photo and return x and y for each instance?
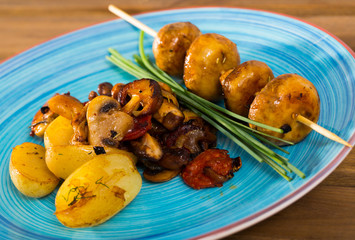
(210, 169)
(141, 126)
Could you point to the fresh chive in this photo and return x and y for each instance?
(219, 117)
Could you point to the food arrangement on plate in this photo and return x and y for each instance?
(167, 133)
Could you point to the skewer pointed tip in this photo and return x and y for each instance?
(321, 130)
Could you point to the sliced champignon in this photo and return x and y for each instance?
(147, 148)
(169, 114)
(106, 123)
(160, 176)
(141, 97)
(171, 44)
(195, 135)
(65, 105)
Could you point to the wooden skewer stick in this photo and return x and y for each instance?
(125, 16)
(321, 130)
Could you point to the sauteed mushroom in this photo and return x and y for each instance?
(141, 97)
(241, 84)
(280, 100)
(209, 56)
(171, 44)
(147, 148)
(169, 113)
(161, 176)
(107, 124)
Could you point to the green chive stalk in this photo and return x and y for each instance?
(219, 117)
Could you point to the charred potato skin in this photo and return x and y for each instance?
(276, 104)
(242, 84)
(209, 56)
(171, 44)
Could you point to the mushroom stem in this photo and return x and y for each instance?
(320, 130)
(125, 16)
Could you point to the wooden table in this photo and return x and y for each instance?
(327, 212)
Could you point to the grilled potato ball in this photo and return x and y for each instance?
(280, 100)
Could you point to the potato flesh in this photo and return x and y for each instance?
(282, 97)
(97, 191)
(207, 58)
(29, 172)
(242, 84)
(64, 160)
(59, 132)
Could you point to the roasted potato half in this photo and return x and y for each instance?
(64, 160)
(59, 132)
(279, 101)
(29, 172)
(97, 190)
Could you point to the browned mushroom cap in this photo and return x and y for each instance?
(169, 114)
(209, 56)
(147, 148)
(107, 124)
(241, 84)
(195, 136)
(162, 176)
(171, 44)
(141, 97)
(116, 90)
(279, 100)
(105, 88)
(174, 158)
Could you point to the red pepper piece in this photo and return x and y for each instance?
(141, 125)
(211, 168)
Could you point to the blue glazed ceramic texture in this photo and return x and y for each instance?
(76, 62)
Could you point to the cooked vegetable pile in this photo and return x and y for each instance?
(163, 128)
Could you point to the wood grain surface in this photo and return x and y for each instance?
(328, 211)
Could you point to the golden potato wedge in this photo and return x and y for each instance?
(97, 190)
(29, 172)
(59, 132)
(64, 160)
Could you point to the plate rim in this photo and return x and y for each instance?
(281, 203)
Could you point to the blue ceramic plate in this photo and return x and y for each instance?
(76, 62)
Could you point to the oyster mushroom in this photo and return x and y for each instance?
(107, 124)
(141, 97)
